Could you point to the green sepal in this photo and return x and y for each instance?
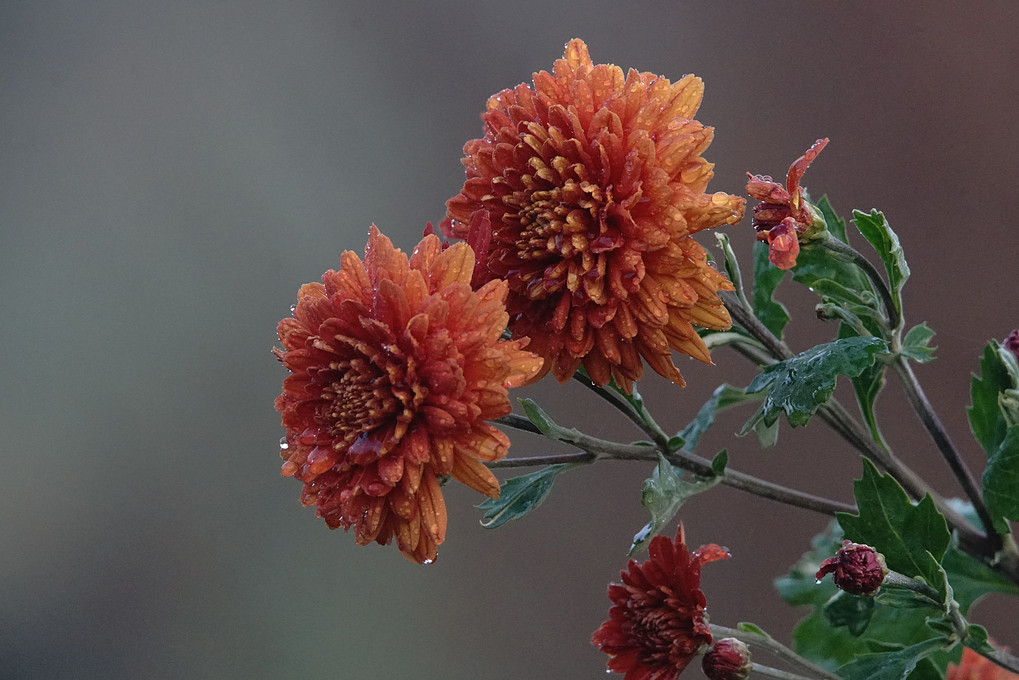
(663, 495)
(520, 495)
(879, 234)
(912, 538)
(798, 386)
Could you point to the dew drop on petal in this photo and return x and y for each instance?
(283, 443)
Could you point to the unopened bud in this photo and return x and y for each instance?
(728, 659)
(1011, 343)
(856, 569)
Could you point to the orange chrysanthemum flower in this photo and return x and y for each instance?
(396, 365)
(972, 666)
(658, 623)
(593, 183)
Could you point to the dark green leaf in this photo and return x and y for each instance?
(798, 386)
(985, 416)
(867, 385)
(916, 344)
(851, 611)
(913, 538)
(836, 225)
(879, 234)
(663, 495)
(520, 495)
(977, 640)
(766, 279)
(889, 665)
(723, 397)
(719, 462)
(1001, 481)
(971, 578)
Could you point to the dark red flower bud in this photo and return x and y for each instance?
(728, 659)
(858, 569)
(1012, 343)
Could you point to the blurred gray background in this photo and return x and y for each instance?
(171, 173)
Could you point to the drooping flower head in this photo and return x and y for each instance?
(783, 217)
(657, 623)
(396, 365)
(593, 182)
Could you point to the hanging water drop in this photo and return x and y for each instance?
(283, 443)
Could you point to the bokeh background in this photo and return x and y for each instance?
(171, 173)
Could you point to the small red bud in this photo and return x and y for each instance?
(1011, 343)
(728, 659)
(857, 569)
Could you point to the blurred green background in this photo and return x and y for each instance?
(171, 173)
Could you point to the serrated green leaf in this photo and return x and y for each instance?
(723, 397)
(663, 495)
(798, 386)
(766, 279)
(912, 538)
(851, 611)
(985, 416)
(972, 579)
(879, 234)
(520, 495)
(889, 665)
(1001, 481)
(916, 344)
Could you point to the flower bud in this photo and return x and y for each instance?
(728, 659)
(1011, 343)
(857, 569)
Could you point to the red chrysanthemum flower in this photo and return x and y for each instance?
(593, 183)
(396, 365)
(658, 621)
(783, 216)
(972, 666)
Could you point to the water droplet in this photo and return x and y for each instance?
(428, 562)
(817, 581)
(283, 443)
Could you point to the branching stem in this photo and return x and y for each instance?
(772, 646)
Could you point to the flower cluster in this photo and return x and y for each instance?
(658, 623)
(396, 364)
(593, 182)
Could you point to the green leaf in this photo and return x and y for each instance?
(977, 640)
(1001, 481)
(912, 538)
(972, 579)
(916, 344)
(836, 225)
(520, 495)
(723, 397)
(879, 234)
(798, 386)
(985, 416)
(889, 665)
(719, 462)
(545, 424)
(852, 611)
(748, 627)
(867, 385)
(766, 279)
(663, 495)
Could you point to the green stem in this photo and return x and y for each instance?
(640, 417)
(1000, 657)
(772, 646)
(918, 400)
(777, 673)
(594, 449)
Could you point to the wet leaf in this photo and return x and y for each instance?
(663, 495)
(520, 495)
(879, 234)
(889, 665)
